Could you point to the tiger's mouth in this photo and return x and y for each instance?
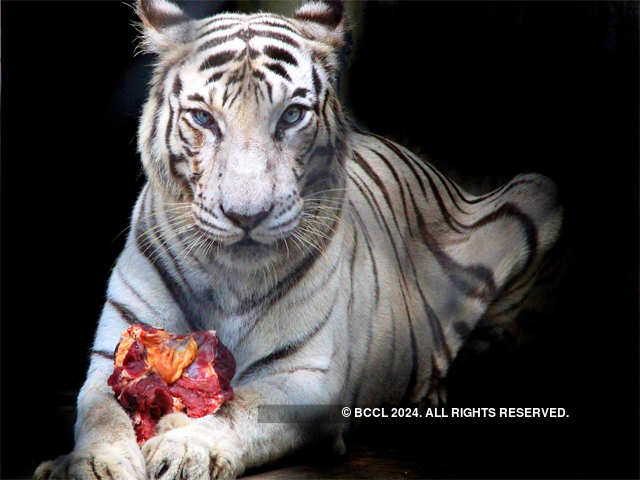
(248, 246)
(272, 240)
(247, 241)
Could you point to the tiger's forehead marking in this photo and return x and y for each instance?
(225, 28)
(250, 52)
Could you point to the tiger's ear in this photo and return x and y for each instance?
(324, 21)
(163, 25)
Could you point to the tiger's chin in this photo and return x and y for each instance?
(249, 255)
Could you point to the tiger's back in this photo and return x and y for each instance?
(433, 261)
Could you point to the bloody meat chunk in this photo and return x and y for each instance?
(156, 373)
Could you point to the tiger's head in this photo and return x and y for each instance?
(243, 127)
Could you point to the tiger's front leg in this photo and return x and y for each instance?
(105, 442)
(106, 446)
(226, 443)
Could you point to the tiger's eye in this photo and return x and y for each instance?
(202, 118)
(291, 115)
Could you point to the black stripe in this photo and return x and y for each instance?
(177, 85)
(472, 200)
(277, 36)
(257, 90)
(466, 279)
(446, 184)
(203, 207)
(268, 84)
(356, 392)
(252, 52)
(214, 42)
(217, 19)
(226, 95)
(505, 188)
(392, 350)
(300, 92)
(234, 97)
(173, 158)
(181, 135)
(279, 25)
(271, 16)
(103, 353)
(324, 112)
(321, 59)
(400, 187)
(530, 231)
(196, 98)
(449, 219)
(282, 287)
(159, 96)
(280, 54)
(349, 343)
(317, 288)
(215, 77)
(413, 376)
(316, 81)
(125, 313)
(278, 70)
(287, 350)
(367, 240)
(236, 76)
(206, 223)
(406, 160)
(381, 186)
(217, 60)
(167, 132)
(217, 29)
(313, 140)
(167, 139)
(93, 459)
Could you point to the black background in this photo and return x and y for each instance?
(484, 90)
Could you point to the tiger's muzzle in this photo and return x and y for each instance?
(247, 222)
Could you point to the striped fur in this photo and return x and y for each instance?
(367, 269)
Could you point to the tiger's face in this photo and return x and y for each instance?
(243, 126)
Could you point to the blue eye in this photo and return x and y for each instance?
(202, 118)
(292, 115)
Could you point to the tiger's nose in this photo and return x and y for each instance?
(247, 222)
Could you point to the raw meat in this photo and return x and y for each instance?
(156, 373)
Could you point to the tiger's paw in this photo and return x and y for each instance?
(121, 460)
(194, 452)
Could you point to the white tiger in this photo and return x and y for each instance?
(338, 268)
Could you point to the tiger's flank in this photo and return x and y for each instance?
(337, 267)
